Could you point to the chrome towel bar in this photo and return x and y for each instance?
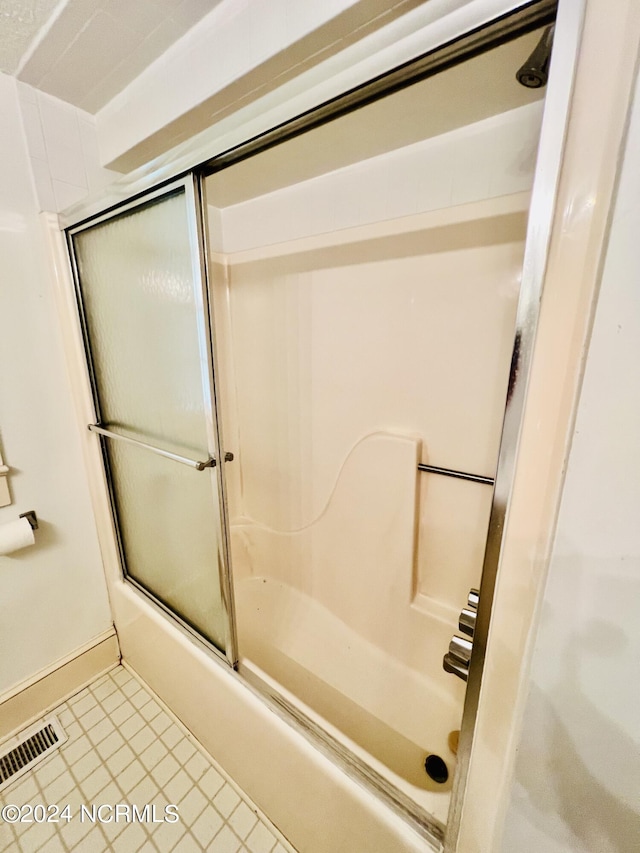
(459, 475)
(184, 460)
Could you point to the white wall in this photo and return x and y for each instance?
(63, 150)
(53, 596)
(577, 785)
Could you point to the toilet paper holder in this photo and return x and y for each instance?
(31, 517)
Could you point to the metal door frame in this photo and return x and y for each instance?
(190, 186)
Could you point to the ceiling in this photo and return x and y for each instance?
(86, 51)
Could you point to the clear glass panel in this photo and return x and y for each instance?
(144, 320)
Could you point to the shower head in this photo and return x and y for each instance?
(533, 74)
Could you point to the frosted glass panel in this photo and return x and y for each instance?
(140, 304)
(145, 326)
(169, 532)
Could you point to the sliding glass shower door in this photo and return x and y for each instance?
(145, 311)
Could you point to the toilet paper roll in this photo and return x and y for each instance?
(15, 534)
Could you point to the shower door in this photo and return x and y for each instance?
(142, 295)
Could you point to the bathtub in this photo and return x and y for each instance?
(328, 618)
(385, 713)
(302, 789)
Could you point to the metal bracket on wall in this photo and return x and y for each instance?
(31, 517)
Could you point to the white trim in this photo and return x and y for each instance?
(40, 694)
(48, 670)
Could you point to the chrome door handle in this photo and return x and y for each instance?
(184, 460)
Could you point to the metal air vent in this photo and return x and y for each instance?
(26, 749)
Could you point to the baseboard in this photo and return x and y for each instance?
(54, 685)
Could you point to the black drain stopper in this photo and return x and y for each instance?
(436, 769)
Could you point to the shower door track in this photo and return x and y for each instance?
(421, 821)
(520, 17)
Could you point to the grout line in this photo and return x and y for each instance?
(261, 816)
(110, 686)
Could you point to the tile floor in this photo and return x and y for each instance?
(124, 748)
